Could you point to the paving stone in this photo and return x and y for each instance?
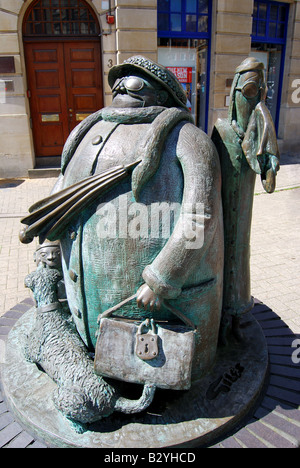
(3, 407)
(8, 322)
(282, 394)
(281, 350)
(13, 314)
(282, 341)
(267, 324)
(283, 360)
(22, 307)
(249, 440)
(265, 316)
(5, 419)
(4, 330)
(261, 412)
(272, 404)
(37, 445)
(288, 371)
(264, 433)
(21, 441)
(283, 382)
(284, 426)
(29, 301)
(230, 443)
(278, 332)
(292, 415)
(9, 433)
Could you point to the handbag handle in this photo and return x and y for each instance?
(172, 309)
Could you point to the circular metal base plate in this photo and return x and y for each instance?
(193, 418)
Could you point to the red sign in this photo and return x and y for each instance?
(183, 74)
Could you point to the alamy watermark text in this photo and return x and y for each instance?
(124, 219)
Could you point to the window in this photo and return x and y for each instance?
(183, 17)
(60, 18)
(184, 47)
(270, 21)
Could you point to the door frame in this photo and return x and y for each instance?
(64, 91)
(23, 66)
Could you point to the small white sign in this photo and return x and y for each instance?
(2, 92)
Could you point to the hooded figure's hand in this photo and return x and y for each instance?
(268, 173)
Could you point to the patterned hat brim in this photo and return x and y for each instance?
(151, 69)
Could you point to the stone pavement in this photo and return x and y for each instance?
(275, 244)
(16, 259)
(275, 270)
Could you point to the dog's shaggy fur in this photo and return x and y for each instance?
(55, 345)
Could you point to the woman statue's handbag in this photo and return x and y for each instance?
(149, 352)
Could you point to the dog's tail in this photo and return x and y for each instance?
(124, 405)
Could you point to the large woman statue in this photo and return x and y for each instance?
(150, 246)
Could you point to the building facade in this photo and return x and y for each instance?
(55, 56)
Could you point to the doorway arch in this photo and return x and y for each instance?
(64, 71)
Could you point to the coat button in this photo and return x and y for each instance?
(77, 313)
(97, 140)
(72, 234)
(73, 275)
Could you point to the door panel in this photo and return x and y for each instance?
(84, 101)
(50, 103)
(84, 78)
(65, 84)
(82, 55)
(45, 55)
(56, 135)
(46, 83)
(45, 79)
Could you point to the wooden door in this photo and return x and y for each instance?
(84, 80)
(64, 86)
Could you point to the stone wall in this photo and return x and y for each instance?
(134, 33)
(231, 44)
(16, 151)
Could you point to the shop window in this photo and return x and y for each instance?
(270, 20)
(184, 48)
